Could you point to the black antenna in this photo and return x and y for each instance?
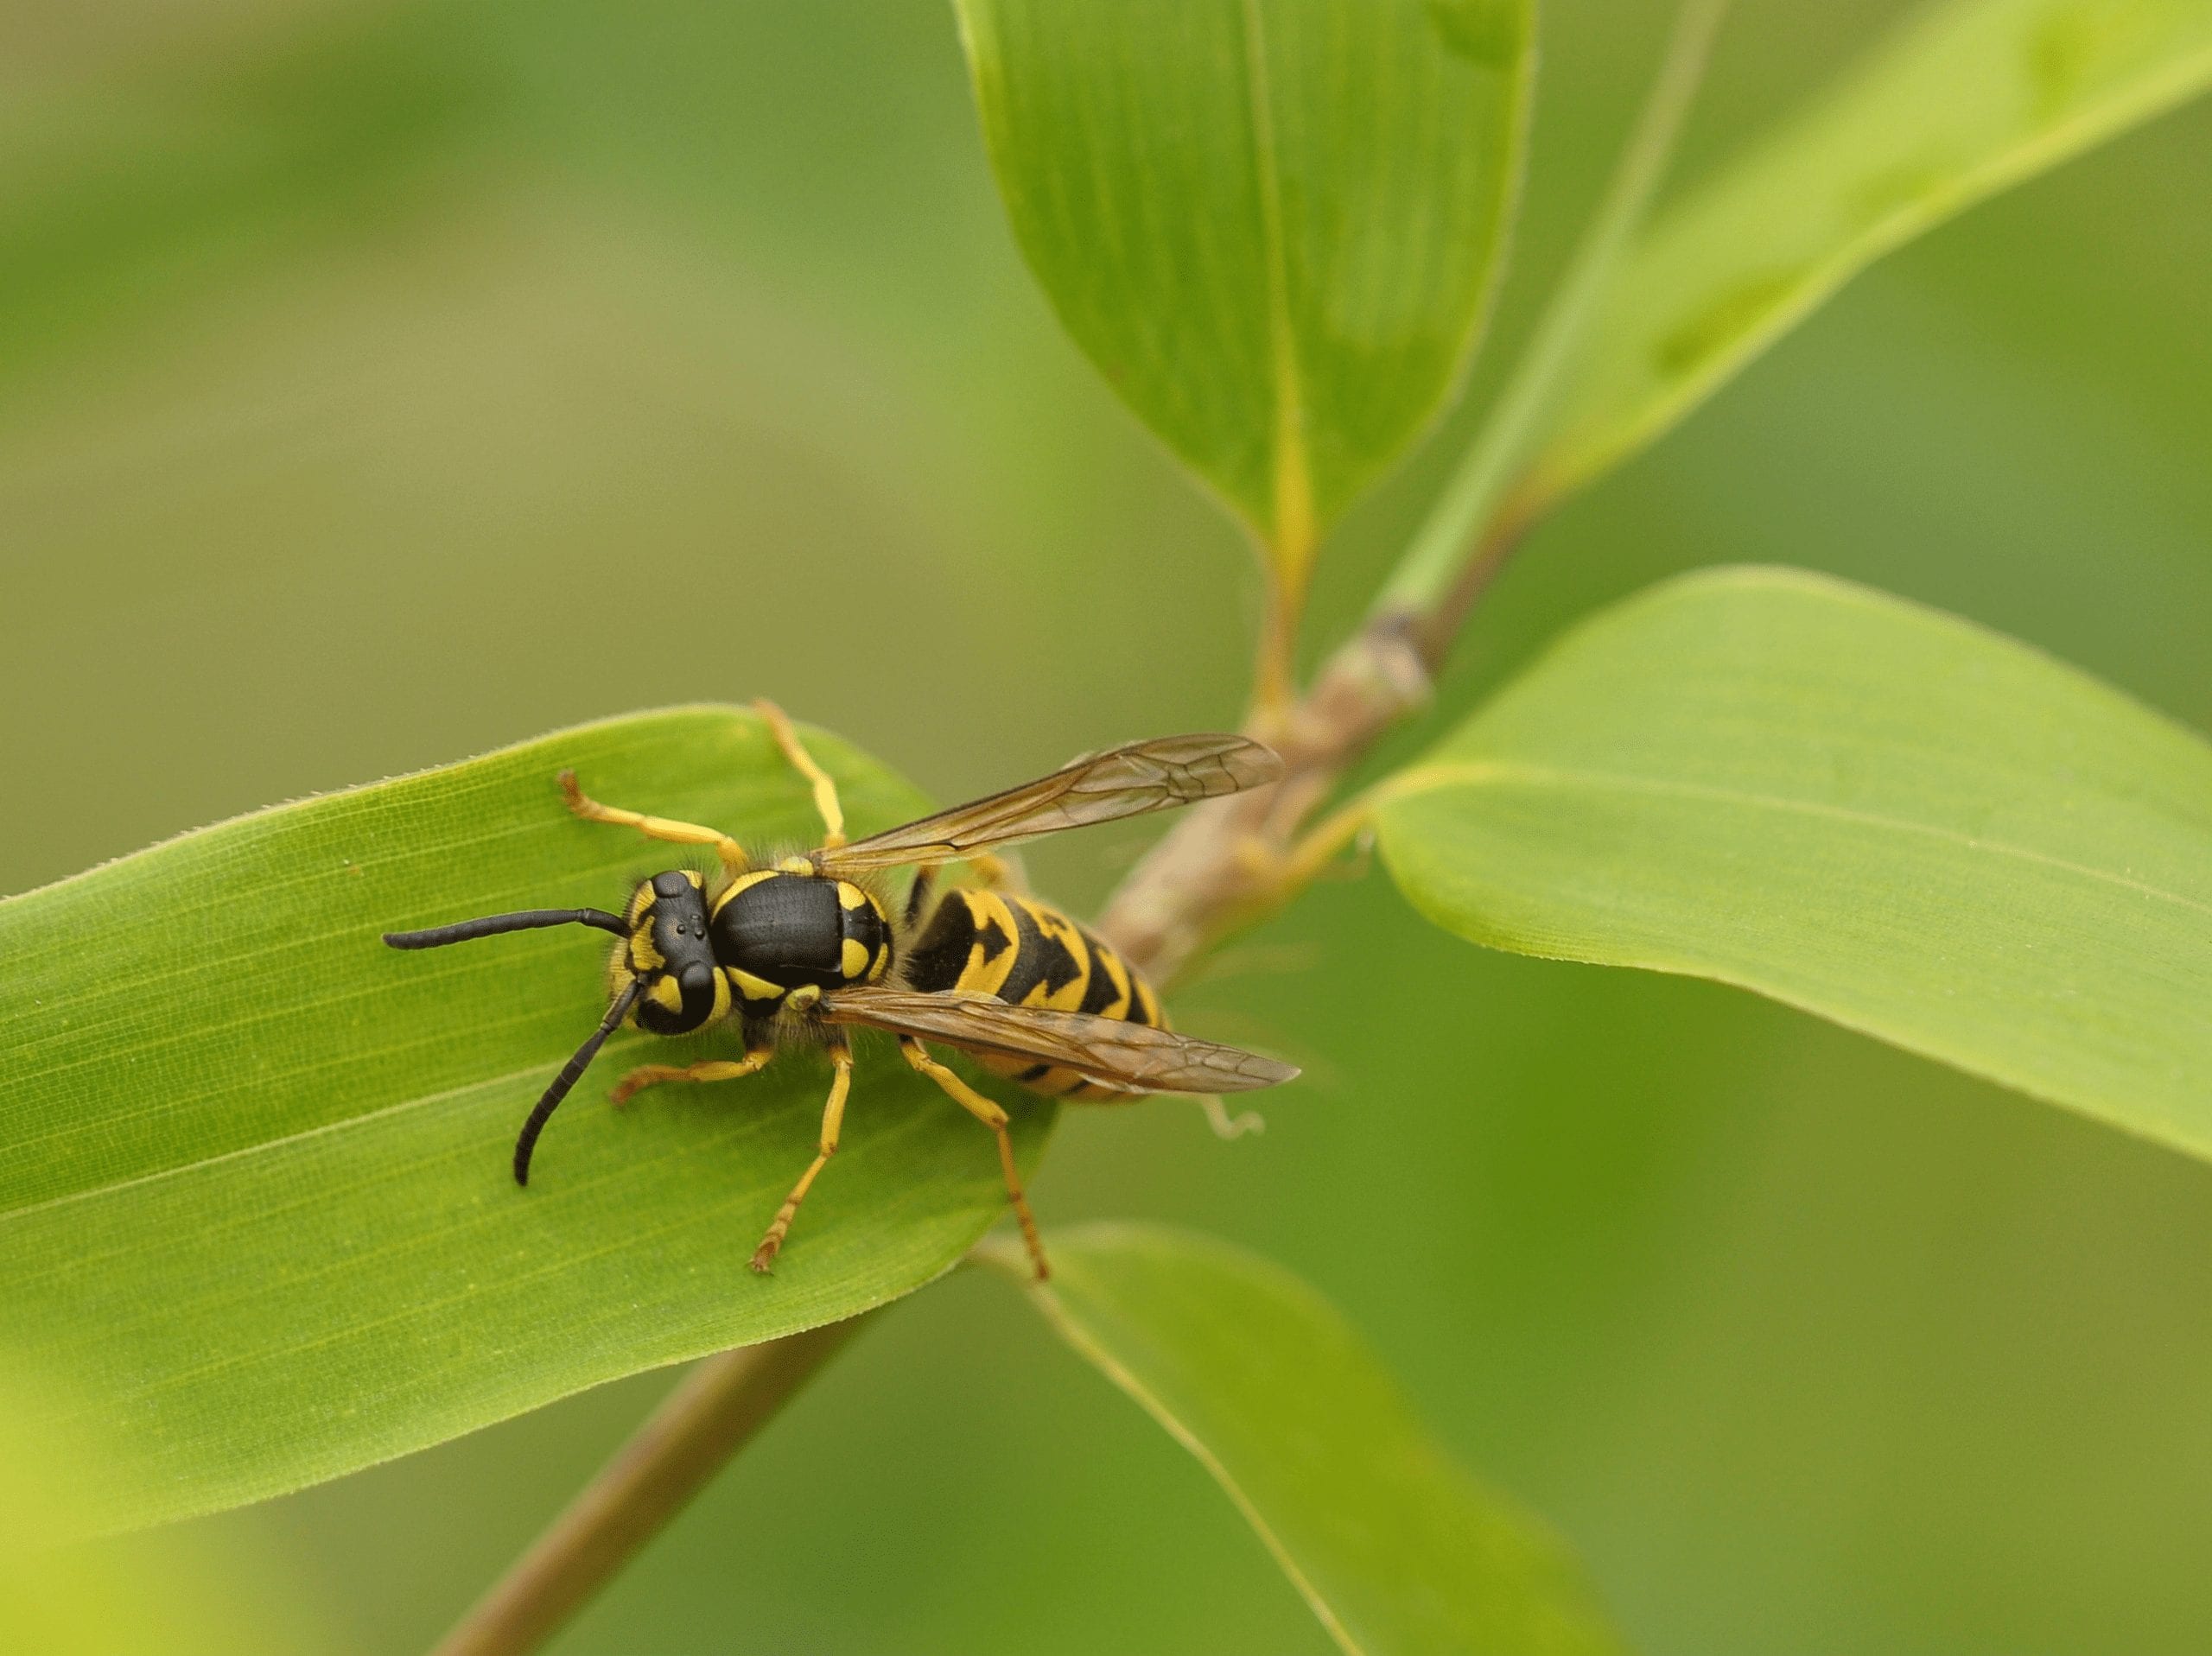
(492, 924)
(571, 1072)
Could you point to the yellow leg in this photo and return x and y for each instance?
(995, 1118)
(986, 874)
(1226, 1126)
(833, 1117)
(655, 828)
(653, 1075)
(919, 895)
(825, 790)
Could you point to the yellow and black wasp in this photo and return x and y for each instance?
(796, 950)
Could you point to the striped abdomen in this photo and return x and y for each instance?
(1028, 953)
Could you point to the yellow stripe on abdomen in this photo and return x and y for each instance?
(1029, 954)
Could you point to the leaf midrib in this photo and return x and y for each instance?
(1428, 778)
(674, 1223)
(1289, 479)
(7, 1215)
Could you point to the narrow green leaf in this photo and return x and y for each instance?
(1272, 224)
(1470, 523)
(1876, 812)
(1969, 98)
(1396, 1548)
(254, 1190)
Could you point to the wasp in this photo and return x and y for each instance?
(798, 951)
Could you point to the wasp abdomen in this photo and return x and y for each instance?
(1028, 953)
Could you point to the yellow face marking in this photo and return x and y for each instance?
(644, 957)
(697, 883)
(853, 958)
(850, 896)
(641, 901)
(721, 998)
(753, 988)
(668, 992)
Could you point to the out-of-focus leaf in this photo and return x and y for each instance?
(1969, 97)
(1272, 224)
(1873, 811)
(166, 1593)
(1397, 1551)
(126, 192)
(1466, 512)
(254, 1187)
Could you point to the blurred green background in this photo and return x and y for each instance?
(362, 366)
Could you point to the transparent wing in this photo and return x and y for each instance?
(1131, 1056)
(1098, 787)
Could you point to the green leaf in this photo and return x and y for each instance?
(254, 1191)
(1465, 530)
(1967, 99)
(1396, 1548)
(1272, 224)
(1876, 812)
(173, 1593)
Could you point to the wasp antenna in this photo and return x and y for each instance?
(492, 924)
(571, 1072)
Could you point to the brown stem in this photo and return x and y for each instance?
(1274, 684)
(1438, 629)
(717, 1409)
(1220, 865)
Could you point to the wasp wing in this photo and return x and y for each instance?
(1134, 1057)
(1125, 781)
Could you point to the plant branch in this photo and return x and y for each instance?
(1274, 678)
(715, 1411)
(1231, 860)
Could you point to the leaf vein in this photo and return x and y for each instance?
(1426, 778)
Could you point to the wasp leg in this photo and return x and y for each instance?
(986, 874)
(919, 893)
(1226, 1126)
(825, 790)
(653, 1075)
(833, 1117)
(989, 872)
(995, 1118)
(655, 828)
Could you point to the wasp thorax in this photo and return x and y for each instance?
(778, 932)
(668, 951)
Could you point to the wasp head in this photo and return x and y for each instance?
(667, 953)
